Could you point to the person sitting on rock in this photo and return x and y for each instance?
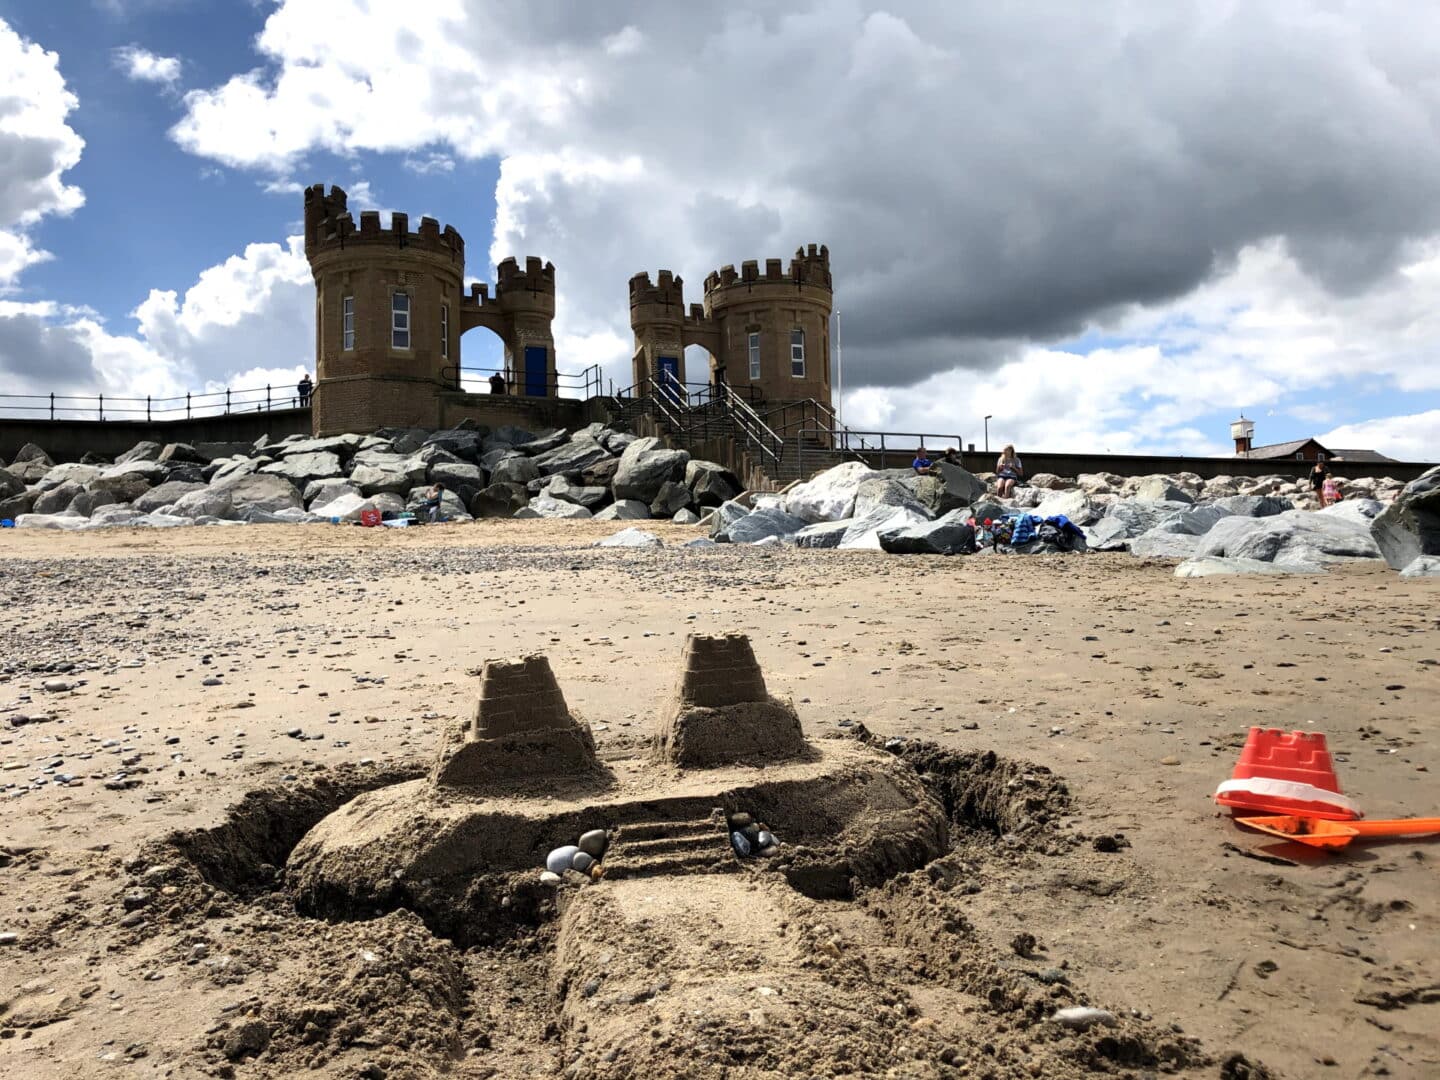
(433, 502)
(1009, 471)
(922, 462)
(951, 457)
(497, 383)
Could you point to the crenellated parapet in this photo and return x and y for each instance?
(329, 227)
(809, 268)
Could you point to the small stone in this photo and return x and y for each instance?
(137, 898)
(9, 938)
(57, 686)
(582, 862)
(561, 859)
(740, 844)
(764, 840)
(1078, 1017)
(548, 877)
(593, 843)
(741, 822)
(1170, 761)
(211, 681)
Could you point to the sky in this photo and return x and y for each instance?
(1108, 227)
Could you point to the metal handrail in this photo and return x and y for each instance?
(590, 380)
(150, 408)
(750, 424)
(903, 443)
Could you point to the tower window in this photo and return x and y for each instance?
(347, 322)
(445, 330)
(400, 320)
(754, 343)
(797, 353)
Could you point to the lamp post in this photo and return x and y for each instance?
(987, 433)
(839, 375)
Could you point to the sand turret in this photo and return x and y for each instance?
(521, 727)
(722, 712)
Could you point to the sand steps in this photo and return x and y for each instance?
(668, 847)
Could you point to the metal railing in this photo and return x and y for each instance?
(697, 412)
(897, 447)
(150, 408)
(586, 384)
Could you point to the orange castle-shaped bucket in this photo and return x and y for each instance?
(1286, 772)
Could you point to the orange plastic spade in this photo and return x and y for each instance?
(1332, 834)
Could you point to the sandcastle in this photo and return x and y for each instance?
(722, 712)
(521, 728)
(522, 778)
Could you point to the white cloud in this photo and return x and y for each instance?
(1408, 438)
(36, 147)
(141, 65)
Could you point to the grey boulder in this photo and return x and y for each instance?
(630, 538)
(670, 499)
(1161, 489)
(166, 494)
(1295, 538)
(892, 488)
(388, 473)
(592, 498)
(206, 502)
(574, 456)
(515, 469)
(301, 469)
(1424, 566)
(182, 453)
(259, 492)
(1164, 545)
(725, 515)
(10, 484)
(457, 474)
(141, 451)
(57, 499)
(760, 524)
(685, 517)
(947, 535)
(499, 500)
(1410, 526)
(544, 443)
(710, 484)
(625, 510)
(645, 466)
(547, 506)
(1213, 565)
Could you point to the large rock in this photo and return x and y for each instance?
(181, 453)
(342, 446)
(865, 530)
(151, 472)
(206, 502)
(600, 473)
(87, 502)
(544, 443)
(66, 522)
(515, 469)
(10, 484)
(236, 467)
(1161, 489)
(830, 496)
(890, 488)
(1424, 566)
(822, 534)
(670, 499)
(458, 474)
(499, 500)
(1165, 545)
(547, 506)
(1356, 511)
(592, 498)
(760, 524)
(1296, 538)
(710, 484)
(320, 492)
(388, 473)
(166, 494)
(1074, 505)
(1254, 505)
(1196, 521)
(507, 436)
(301, 469)
(645, 466)
(141, 451)
(624, 510)
(1410, 526)
(463, 444)
(961, 486)
(80, 474)
(267, 494)
(57, 499)
(725, 515)
(947, 535)
(574, 456)
(1212, 565)
(113, 515)
(452, 506)
(15, 505)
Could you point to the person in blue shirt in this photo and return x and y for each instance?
(922, 462)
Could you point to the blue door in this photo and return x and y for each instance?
(670, 377)
(536, 377)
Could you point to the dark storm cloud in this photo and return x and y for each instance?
(38, 357)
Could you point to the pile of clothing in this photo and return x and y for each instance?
(1026, 534)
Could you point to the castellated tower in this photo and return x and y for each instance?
(766, 333)
(390, 308)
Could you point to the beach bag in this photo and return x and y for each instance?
(370, 518)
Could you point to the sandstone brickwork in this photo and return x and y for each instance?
(722, 713)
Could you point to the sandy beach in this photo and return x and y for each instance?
(207, 664)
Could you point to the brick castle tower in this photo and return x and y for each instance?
(390, 308)
(769, 332)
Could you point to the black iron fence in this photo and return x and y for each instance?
(582, 384)
(176, 407)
